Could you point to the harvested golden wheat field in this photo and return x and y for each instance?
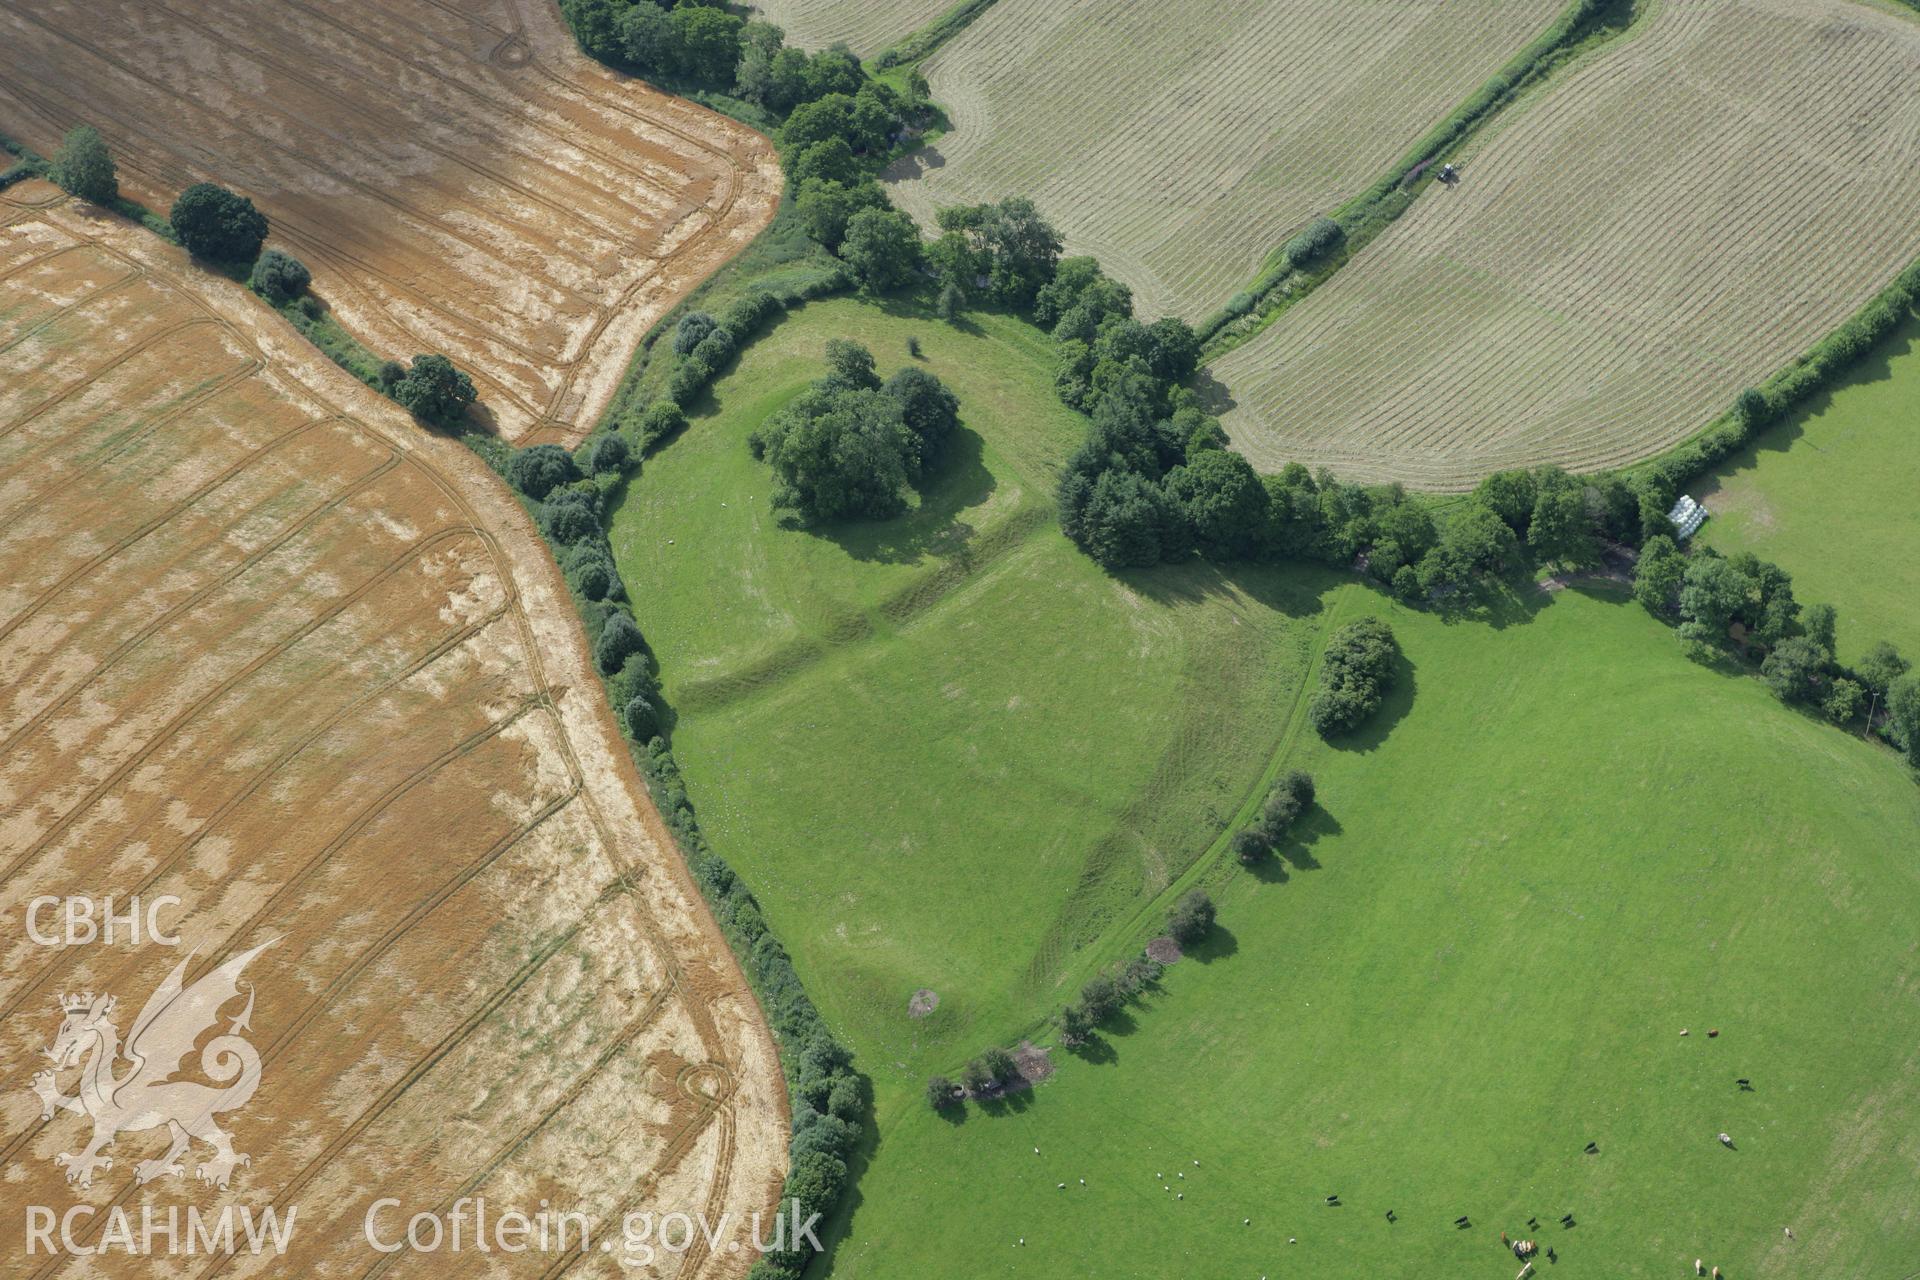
(273, 651)
(1182, 144)
(1686, 212)
(865, 26)
(459, 178)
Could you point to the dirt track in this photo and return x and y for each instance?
(270, 648)
(459, 178)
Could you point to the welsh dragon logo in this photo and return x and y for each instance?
(142, 1095)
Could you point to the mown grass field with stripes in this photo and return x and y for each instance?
(1670, 220)
(275, 652)
(866, 26)
(1182, 145)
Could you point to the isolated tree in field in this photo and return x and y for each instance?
(82, 166)
(1000, 1065)
(882, 247)
(1100, 998)
(1250, 844)
(940, 1093)
(434, 389)
(1075, 1026)
(279, 277)
(1355, 672)
(838, 453)
(1191, 918)
(216, 224)
(976, 1077)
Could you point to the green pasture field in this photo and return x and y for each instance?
(946, 751)
(1829, 496)
(1559, 846)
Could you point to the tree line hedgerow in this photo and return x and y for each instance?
(1742, 607)
(1101, 998)
(224, 228)
(566, 493)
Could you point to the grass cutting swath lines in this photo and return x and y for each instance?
(1682, 215)
(1183, 144)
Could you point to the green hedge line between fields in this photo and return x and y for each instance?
(1316, 251)
(829, 1100)
(921, 44)
(1789, 388)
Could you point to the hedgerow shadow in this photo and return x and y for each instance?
(1875, 366)
(1313, 826)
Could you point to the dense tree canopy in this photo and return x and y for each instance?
(1355, 672)
(882, 248)
(434, 389)
(82, 166)
(216, 224)
(279, 277)
(540, 469)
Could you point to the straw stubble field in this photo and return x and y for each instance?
(272, 650)
(458, 178)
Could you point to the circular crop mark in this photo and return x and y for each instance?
(511, 53)
(707, 1082)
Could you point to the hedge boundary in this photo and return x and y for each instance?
(1366, 215)
(1784, 391)
(919, 46)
